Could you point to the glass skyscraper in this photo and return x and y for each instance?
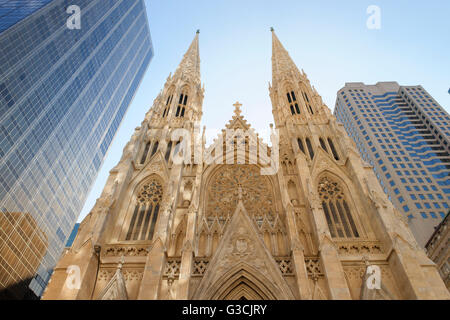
(63, 94)
(405, 135)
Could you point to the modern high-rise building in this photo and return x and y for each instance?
(64, 91)
(405, 135)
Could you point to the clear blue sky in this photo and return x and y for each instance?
(328, 39)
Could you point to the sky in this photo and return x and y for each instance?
(329, 40)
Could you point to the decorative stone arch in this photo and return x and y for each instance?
(287, 85)
(178, 237)
(325, 181)
(243, 281)
(242, 263)
(170, 90)
(129, 206)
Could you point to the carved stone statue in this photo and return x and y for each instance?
(170, 289)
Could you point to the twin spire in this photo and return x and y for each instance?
(189, 66)
(282, 63)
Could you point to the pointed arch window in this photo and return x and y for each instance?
(167, 107)
(145, 214)
(310, 148)
(300, 145)
(333, 149)
(308, 103)
(293, 104)
(323, 145)
(182, 102)
(337, 210)
(144, 155)
(155, 148)
(168, 151)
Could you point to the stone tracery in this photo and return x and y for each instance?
(146, 211)
(228, 186)
(336, 209)
(223, 193)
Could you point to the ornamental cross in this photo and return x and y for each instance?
(237, 108)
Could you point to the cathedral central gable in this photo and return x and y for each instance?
(240, 252)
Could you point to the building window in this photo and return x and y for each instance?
(333, 149)
(145, 214)
(144, 155)
(293, 104)
(300, 145)
(308, 104)
(167, 107)
(181, 109)
(168, 151)
(155, 148)
(310, 149)
(323, 145)
(337, 210)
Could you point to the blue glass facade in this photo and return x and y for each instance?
(14, 11)
(63, 94)
(73, 235)
(405, 135)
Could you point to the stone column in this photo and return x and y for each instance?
(296, 246)
(297, 255)
(333, 270)
(187, 258)
(153, 272)
(82, 266)
(300, 271)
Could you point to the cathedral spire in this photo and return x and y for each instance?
(189, 67)
(282, 63)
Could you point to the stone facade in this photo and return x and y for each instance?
(222, 224)
(438, 249)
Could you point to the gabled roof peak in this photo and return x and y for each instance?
(238, 121)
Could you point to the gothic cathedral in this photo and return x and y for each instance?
(304, 218)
